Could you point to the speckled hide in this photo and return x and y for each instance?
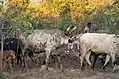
(45, 40)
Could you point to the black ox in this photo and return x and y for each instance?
(15, 45)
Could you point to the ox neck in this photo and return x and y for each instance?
(64, 41)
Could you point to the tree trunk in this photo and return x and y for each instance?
(1, 54)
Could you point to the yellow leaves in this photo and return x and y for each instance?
(49, 9)
(76, 8)
(32, 6)
(52, 8)
(14, 2)
(111, 2)
(1, 14)
(99, 3)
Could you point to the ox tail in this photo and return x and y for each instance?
(88, 53)
(87, 58)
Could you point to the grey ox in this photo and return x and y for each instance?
(45, 41)
(99, 43)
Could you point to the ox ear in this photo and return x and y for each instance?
(73, 38)
(11, 42)
(116, 35)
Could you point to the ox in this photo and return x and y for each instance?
(75, 48)
(45, 41)
(13, 44)
(8, 56)
(98, 43)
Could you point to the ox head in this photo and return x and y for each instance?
(72, 37)
(72, 43)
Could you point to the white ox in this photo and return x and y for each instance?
(47, 40)
(98, 43)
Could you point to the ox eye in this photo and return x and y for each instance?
(6, 43)
(70, 41)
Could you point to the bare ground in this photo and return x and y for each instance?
(71, 71)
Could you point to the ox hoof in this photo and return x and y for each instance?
(44, 68)
(113, 71)
(92, 68)
(104, 69)
(24, 70)
(82, 69)
(62, 70)
(115, 68)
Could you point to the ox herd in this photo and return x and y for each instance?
(50, 41)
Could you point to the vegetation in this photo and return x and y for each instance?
(24, 15)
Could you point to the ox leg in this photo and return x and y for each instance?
(95, 59)
(47, 59)
(30, 54)
(59, 59)
(19, 60)
(18, 57)
(10, 65)
(32, 59)
(107, 60)
(113, 59)
(81, 60)
(4, 65)
(102, 60)
(24, 65)
(87, 56)
(12, 62)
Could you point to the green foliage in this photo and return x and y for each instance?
(1, 7)
(60, 14)
(108, 18)
(113, 20)
(1, 77)
(64, 19)
(21, 22)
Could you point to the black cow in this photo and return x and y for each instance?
(15, 45)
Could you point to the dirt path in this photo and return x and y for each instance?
(71, 71)
(67, 74)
